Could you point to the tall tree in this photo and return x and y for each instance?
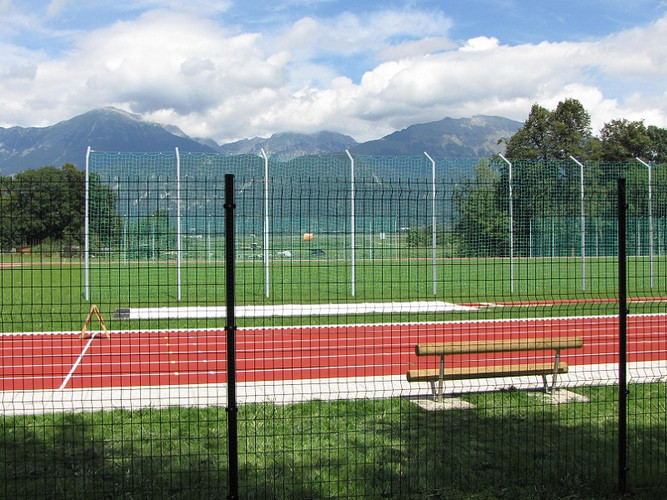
(48, 203)
(658, 137)
(532, 140)
(552, 135)
(624, 140)
(571, 129)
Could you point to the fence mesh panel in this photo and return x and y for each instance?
(392, 317)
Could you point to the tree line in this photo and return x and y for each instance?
(48, 204)
(549, 135)
(556, 161)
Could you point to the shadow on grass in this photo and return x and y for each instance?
(515, 446)
(510, 446)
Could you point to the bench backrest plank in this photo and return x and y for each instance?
(486, 346)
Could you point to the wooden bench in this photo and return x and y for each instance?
(482, 370)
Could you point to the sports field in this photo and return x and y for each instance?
(47, 294)
(306, 338)
(326, 362)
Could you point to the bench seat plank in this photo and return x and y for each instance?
(507, 345)
(471, 372)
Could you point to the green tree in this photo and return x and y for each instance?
(658, 137)
(106, 225)
(38, 206)
(571, 129)
(624, 140)
(553, 135)
(6, 214)
(482, 223)
(49, 203)
(423, 236)
(532, 141)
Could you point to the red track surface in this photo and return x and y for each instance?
(49, 361)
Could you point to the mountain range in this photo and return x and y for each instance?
(110, 129)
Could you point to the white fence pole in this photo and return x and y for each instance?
(511, 207)
(650, 219)
(178, 223)
(86, 231)
(352, 229)
(583, 224)
(266, 223)
(433, 224)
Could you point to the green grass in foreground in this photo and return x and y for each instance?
(511, 446)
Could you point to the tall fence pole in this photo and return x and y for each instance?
(583, 222)
(511, 208)
(86, 231)
(352, 229)
(178, 223)
(266, 223)
(230, 329)
(434, 230)
(622, 338)
(650, 219)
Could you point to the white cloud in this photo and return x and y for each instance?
(376, 32)
(215, 81)
(480, 43)
(55, 7)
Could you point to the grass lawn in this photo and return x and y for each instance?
(48, 295)
(511, 446)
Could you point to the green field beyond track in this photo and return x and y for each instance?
(48, 295)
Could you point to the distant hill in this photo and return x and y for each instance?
(292, 144)
(475, 137)
(106, 129)
(110, 129)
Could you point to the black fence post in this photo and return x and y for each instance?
(622, 339)
(230, 328)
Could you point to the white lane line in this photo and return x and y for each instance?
(76, 364)
(289, 310)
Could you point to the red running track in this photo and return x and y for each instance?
(52, 361)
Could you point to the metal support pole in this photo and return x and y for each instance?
(352, 223)
(266, 224)
(650, 219)
(511, 208)
(178, 224)
(433, 224)
(583, 224)
(230, 328)
(86, 231)
(622, 338)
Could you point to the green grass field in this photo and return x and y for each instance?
(511, 446)
(47, 294)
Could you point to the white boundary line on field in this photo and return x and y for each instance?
(77, 362)
(340, 325)
(289, 310)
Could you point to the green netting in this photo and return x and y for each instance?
(141, 203)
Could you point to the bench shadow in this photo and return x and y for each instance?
(510, 449)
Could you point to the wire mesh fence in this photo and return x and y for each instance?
(403, 328)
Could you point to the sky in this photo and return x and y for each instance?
(231, 69)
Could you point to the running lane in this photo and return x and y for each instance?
(295, 353)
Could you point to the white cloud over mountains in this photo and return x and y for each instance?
(364, 74)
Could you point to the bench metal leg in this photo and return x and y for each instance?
(441, 378)
(555, 375)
